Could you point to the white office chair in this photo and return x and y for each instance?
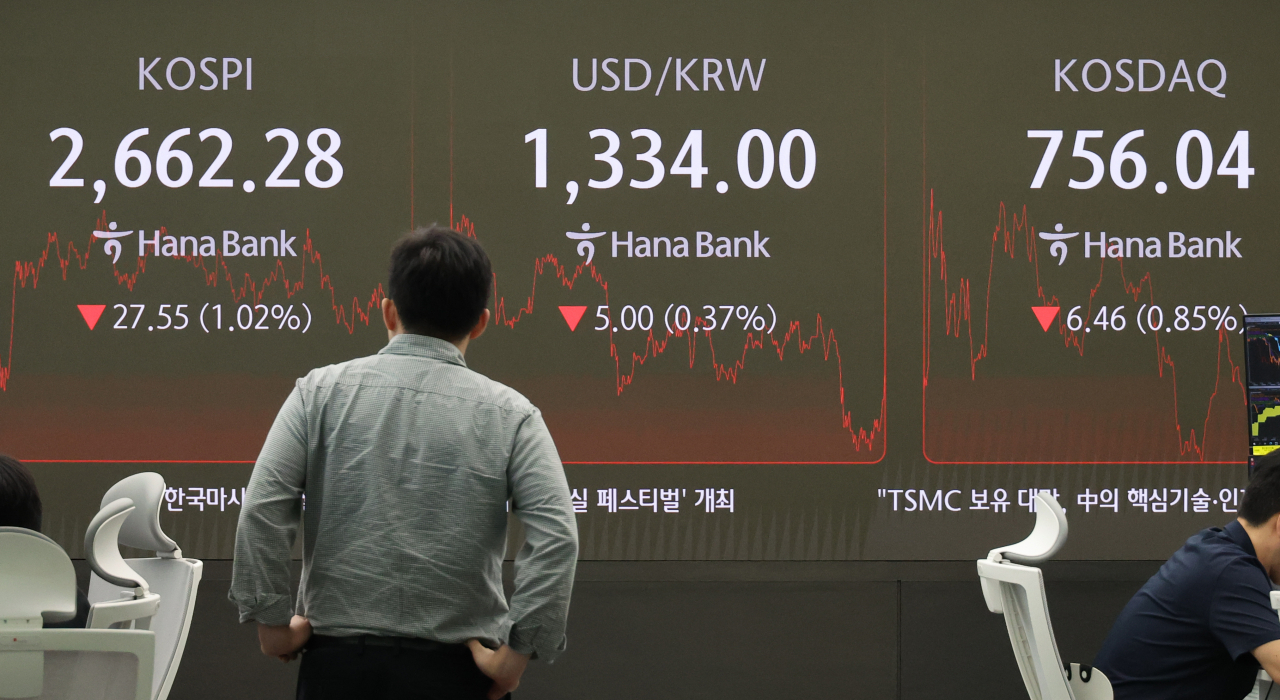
(158, 592)
(1012, 586)
(37, 583)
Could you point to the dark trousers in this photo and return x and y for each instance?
(346, 671)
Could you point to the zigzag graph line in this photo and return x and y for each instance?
(215, 272)
(1005, 240)
(823, 338)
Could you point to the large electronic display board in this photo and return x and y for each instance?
(813, 280)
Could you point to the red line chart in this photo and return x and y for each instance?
(626, 369)
(213, 269)
(68, 258)
(1014, 240)
(822, 339)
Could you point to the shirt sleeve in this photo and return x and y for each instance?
(1240, 614)
(269, 520)
(545, 565)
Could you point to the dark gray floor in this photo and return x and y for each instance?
(910, 630)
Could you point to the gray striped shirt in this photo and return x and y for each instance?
(407, 459)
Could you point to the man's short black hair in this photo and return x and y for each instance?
(19, 499)
(440, 281)
(1262, 497)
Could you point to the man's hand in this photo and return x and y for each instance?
(284, 641)
(504, 667)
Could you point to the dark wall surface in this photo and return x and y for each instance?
(908, 630)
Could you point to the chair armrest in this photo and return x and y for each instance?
(103, 615)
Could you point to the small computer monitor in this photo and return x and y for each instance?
(1262, 379)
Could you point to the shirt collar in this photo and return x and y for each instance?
(1236, 532)
(424, 346)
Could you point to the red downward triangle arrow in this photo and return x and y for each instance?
(91, 313)
(572, 314)
(1045, 314)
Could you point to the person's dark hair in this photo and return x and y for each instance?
(440, 281)
(19, 499)
(1262, 497)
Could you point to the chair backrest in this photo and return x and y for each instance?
(175, 581)
(37, 581)
(1020, 591)
(77, 664)
(1016, 590)
(38, 584)
(170, 577)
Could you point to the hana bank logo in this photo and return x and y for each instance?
(1059, 248)
(112, 246)
(585, 246)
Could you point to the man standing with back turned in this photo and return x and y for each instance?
(407, 460)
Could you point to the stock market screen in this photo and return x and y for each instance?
(814, 280)
(1262, 375)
